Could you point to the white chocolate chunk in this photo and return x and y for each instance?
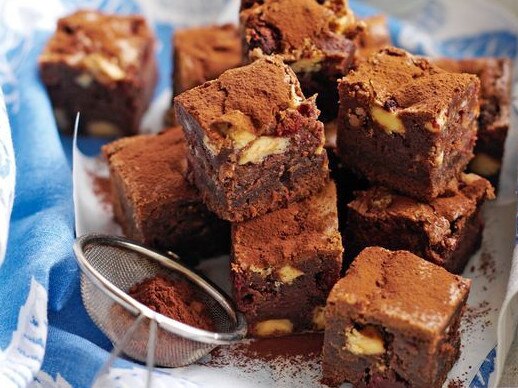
(364, 342)
(439, 159)
(103, 67)
(319, 318)
(128, 51)
(273, 327)
(262, 147)
(485, 165)
(263, 272)
(469, 178)
(288, 274)
(237, 126)
(84, 80)
(390, 121)
(307, 65)
(102, 128)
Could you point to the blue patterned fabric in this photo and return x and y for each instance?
(45, 333)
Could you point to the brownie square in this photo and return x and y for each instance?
(445, 231)
(102, 66)
(203, 53)
(285, 263)
(154, 203)
(393, 321)
(314, 37)
(255, 143)
(375, 36)
(495, 109)
(406, 124)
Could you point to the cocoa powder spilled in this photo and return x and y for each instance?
(289, 359)
(477, 315)
(174, 300)
(102, 190)
(456, 384)
(487, 266)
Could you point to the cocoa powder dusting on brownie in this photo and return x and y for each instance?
(299, 20)
(161, 167)
(250, 98)
(93, 39)
(201, 54)
(174, 300)
(408, 81)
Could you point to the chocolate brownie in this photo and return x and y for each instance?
(313, 37)
(102, 66)
(407, 124)
(154, 203)
(374, 36)
(201, 54)
(255, 143)
(495, 109)
(285, 263)
(393, 321)
(445, 231)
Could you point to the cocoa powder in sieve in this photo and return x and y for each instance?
(174, 300)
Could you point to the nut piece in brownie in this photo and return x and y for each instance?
(374, 36)
(313, 37)
(102, 66)
(406, 124)
(495, 100)
(255, 143)
(285, 263)
(445, 231)
(154, 203)
(389, 325)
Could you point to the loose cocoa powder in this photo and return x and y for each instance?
(174, 300)
(102, 190)
(292, 360)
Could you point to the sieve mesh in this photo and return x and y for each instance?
(116, 261)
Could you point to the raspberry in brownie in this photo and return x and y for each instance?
(393, 321)
(285, 263)
(102, 66)
(154, 203)
(255, 142)
(406, 124)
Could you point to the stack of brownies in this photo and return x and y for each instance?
(258, 111)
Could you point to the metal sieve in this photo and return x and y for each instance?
(111, 266)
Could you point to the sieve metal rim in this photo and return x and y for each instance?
(171, 325)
